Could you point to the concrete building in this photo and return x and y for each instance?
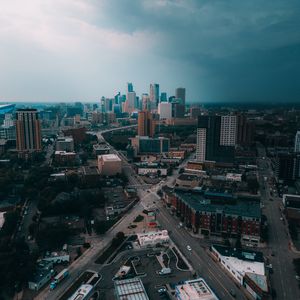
(146, 145)
(130, 101)
(196, 289)
(65, 143)
(109, 164)
(154, 95)
(246, 267)
(239, 262)
(297, 142)
(146, 124)
(28, 130)
(165, 110)
(201, 144)
(228, 131)
(63, 157)
(152, 238)
(99, 149)
(130, 289)
(180, 94)
(209, 141)
(8, 120)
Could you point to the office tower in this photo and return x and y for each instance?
(8, 120)
(287, 166)
(165, 110)
(163, 97)
(228, 131)
(180, 94)
(146, 104)
(129, 87)
(178, 109)
(28, 130)
(195, 112)
(208, 141)
(154, 95)
(146, 125)
(130, 102)
(245, 130)
(297, 142)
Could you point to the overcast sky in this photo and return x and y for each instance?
(233, 50)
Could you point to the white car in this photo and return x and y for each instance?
(189, 248)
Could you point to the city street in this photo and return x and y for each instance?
(283, 279)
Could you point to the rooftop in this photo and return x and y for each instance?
(260, 281)
(109, 157)
(198, 202)
(195, 290)
(242, 261)
(130, 289)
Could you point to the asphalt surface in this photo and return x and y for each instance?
(279, 253)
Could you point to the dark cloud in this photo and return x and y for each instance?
(237, 50)
(220, 50)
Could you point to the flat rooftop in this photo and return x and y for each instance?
(109, 157)
(198, 202)
(196, 289)
(245, 261)
(130, 289)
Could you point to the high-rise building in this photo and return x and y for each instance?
(228, 132)
(180, 94)
(208, 141)
(154, 95)
(165, 110)
(163, 97)
(130, 102)
(297, 142)
(146, 104)
(8, 120)
(287, 166)
(245, 130)
(178, 109)
(146, 125)
(129, 87)
(28, 130)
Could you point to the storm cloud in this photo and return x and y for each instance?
(64, 50)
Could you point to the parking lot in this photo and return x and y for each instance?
(144, 264)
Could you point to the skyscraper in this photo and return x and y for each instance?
(146, 125)
(163, 97)
(154, 94)
(245, 130)
(180, 94)
(165, 110)
(130, 102)
(28, 130)
(129, 87)
(297, 142)
(209, 147)
(228, 132)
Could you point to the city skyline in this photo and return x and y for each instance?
(220, 52)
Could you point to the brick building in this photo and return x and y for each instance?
(219, 216)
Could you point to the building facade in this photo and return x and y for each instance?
(28, 130)
(146, 124)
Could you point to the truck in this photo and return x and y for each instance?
(58, 278)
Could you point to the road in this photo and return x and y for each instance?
(283, 278)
